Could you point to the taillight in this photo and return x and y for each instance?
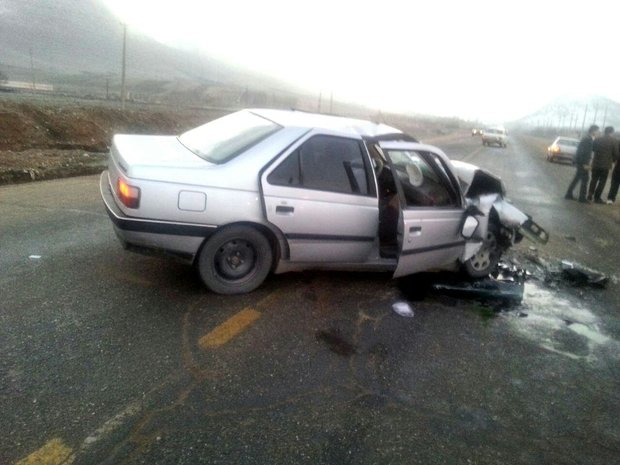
(129, 195)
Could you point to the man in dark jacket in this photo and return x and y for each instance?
(615, 181)
(582, 162)
(605, 152)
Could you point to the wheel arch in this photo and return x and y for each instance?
(277, 241)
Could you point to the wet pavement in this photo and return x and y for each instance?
(111, 358)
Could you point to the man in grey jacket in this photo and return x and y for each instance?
(582, 162)
(605, 153)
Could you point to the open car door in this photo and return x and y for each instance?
(431, 207)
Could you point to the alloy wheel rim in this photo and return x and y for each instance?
(482, 258)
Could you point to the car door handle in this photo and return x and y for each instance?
(415, 230)
(282, 210)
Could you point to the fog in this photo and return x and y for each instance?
(476, 59)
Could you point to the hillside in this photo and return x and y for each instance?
(568, 114)
(76, 46)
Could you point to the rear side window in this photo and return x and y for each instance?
(223, 139)
(569, 142)
(325, 163)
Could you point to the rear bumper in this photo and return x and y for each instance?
(494, 140)
(561, 156)
(181, 240)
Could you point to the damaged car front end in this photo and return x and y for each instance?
(502, 224)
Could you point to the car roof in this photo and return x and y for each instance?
(345, 126)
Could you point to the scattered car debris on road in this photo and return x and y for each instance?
(581, 275)
(484, 289)
(566, 271)
(505, 284)
(403, 309)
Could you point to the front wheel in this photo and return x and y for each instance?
(235, 260)
(485, 260)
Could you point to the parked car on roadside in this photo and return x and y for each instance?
(262, 191)
(476, 132)
(497, 136)
(562, 148)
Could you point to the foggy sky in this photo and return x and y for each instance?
(478, 59)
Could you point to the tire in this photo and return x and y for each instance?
(486, 259)
(235, 260)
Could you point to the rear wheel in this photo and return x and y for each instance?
(485, 260)
(235, 260)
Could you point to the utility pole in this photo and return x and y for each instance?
(595, 114)
(123, 88)
(34, 85)
(331, 102)
(320, 97)
(583, 124)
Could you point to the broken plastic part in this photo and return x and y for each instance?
(534, 232)
(509, 215)
(580, 275)
(403, 309)
(471, 248)
(505, 284)
(483, 289)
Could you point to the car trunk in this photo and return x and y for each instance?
(153, 157)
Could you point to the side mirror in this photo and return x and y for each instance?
(469, 227)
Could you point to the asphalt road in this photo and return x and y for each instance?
(114, 358)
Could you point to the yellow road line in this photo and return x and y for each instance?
(223, 333)
(55, 452)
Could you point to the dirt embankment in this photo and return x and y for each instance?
(45, 138)
(39, 141)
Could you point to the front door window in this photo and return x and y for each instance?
(423, 179)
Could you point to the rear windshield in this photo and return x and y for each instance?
(569, 142)
(222, 139)
(494, 131)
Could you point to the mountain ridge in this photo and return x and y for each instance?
(574, 113)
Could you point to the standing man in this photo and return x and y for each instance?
(605, 152)
(615, 181)
(582, 162)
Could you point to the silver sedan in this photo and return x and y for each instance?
(262, 191)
